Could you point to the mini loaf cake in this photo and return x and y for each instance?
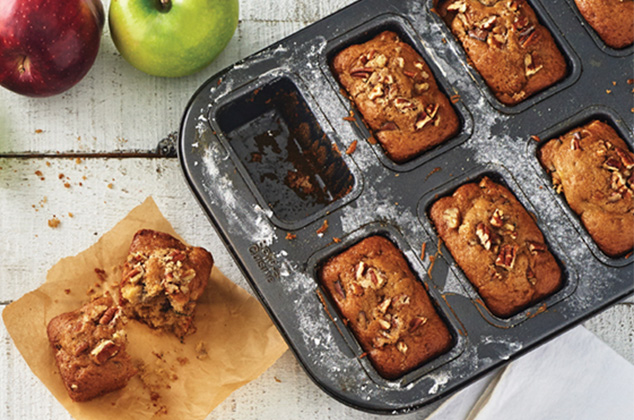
(594, 169)
(397, 95)
(89, 346)
(507, 45)
(386, 307)
(162, 280)
(613, 20)
(498, 246)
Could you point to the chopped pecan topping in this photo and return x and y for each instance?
(614, 197)
(484, 234)
(626, 158)
(378, 62)
(339, 289)
(424, 75)
(489, 22)
(419, 65)
(496, 40)
(478, 33)
(612, 164)
(400, 61)
(361, 72)
(386, 325)
(512, 5)
(452, 217)
(528, 36)
(104, 351)
(108, 315)
(403, 104)
(388, 126)
(506, 257)
(574, 144)
(529, 65)
(421, 87)
(535, 247)
(369, 277)
(617, 182)
(383, 306)
(417, 322)
(459, 6)
(376, 92)
(402, 347)
(136, 274)
(408, 73)
(496, 218)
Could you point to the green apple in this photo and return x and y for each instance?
(172, 38)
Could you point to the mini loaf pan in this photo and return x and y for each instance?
(280, 161)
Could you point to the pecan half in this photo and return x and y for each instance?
(108, 315)
(385, 324)
(421, 87)
(626, 158)
(416, 322)
(361, 72)
(339, 289)
(506, 257)
(612, 164)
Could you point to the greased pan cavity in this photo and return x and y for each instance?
(263, 146)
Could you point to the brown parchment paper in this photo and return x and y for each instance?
(234, 343)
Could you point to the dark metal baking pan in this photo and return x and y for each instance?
(263, 147)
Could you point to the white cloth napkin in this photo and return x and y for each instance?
(573, 377)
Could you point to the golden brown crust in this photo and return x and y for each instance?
(162, 280)
(594, 169)
(386, 307)
(396, 93)
(507, 45)
(498, 246)
(89, 346)
(613, 20)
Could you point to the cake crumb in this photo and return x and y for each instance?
(323, 228)
(182, 360)
(336, 240)
(536, 138)
(422, 251)
(71, 215)
(54, 222)
(110, 185)
(67, 291)
(290, 236)
(201, 350)
(277, 380)
(352, 148)
(66, 185)
(38, 130)
(608, 91)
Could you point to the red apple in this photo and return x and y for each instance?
(47, 46)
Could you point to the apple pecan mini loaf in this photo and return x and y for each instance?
(89, 346)
(397, 95)
(498, 246)
(386, 307)
(162, 280)
(507, 45)
(613, 20)
(594, 169)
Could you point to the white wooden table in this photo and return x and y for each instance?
(59, 159)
